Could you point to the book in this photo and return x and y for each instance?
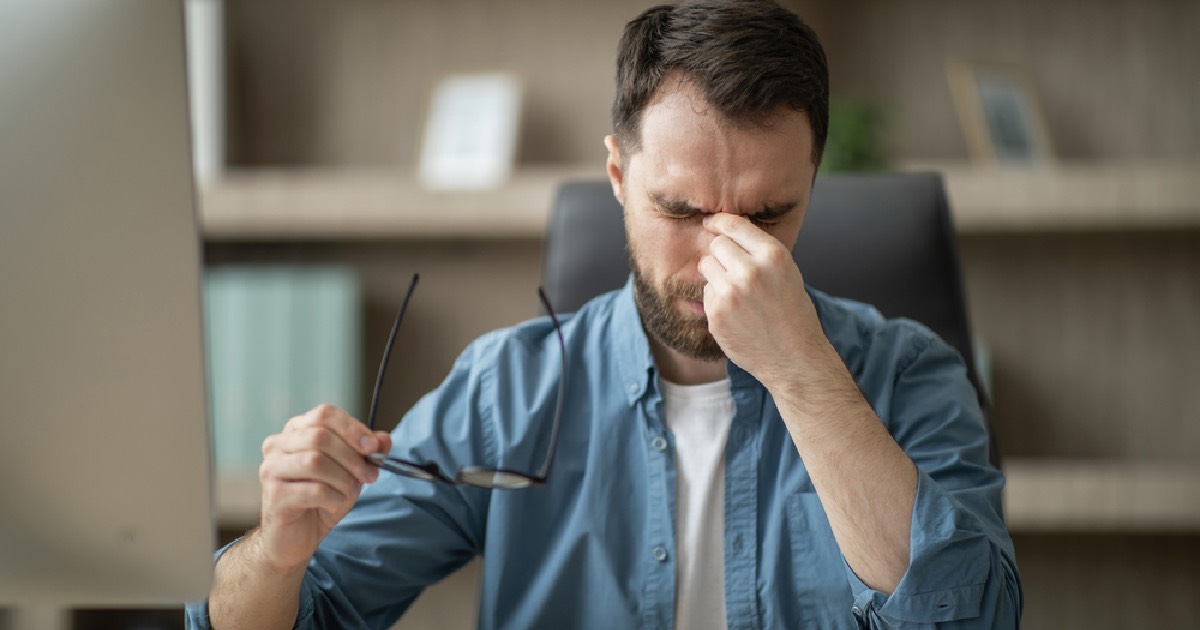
(279, 341)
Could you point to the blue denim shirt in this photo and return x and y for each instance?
(595, 547)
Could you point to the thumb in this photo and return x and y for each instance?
(384, 440)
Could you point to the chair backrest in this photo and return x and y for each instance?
(886, 239)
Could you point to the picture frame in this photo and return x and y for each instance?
(1000, 115)
(470, 139)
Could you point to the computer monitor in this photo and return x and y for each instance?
(105, 473)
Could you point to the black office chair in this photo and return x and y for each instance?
(886, 239)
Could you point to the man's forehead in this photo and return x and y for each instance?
(681, 103)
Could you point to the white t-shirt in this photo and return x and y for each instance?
(699, 417)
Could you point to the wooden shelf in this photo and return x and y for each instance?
(1112, 496)
(328, 204)
(1072, 196)
(1041, 496)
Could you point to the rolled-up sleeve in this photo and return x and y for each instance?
(962, 571)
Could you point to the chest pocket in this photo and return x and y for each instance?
(822, 592)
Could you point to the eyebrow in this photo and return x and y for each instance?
(673, 206)
(680, 207)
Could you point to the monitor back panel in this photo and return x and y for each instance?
(105, 475)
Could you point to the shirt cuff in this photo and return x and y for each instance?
(949, 564)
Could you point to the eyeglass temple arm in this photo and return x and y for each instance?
(387, 352)
(562, 380)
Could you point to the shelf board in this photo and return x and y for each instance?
(358, 204)
(315, 204)
(1104, 496)
(1041, 496)
(312, 204)
(1072, 197)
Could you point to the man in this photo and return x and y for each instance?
(735, 450)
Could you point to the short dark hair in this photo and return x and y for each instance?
(747, 57)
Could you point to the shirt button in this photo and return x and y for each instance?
(857, 612)
(659, 443)
(633, 388)
(660, 554)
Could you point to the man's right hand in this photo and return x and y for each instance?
(311, 475)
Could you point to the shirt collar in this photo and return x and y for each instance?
(634, 360)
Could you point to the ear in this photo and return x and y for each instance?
(613, 165)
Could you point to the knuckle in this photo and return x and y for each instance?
(320, 492)
(309, 492)
(296, 422)
(268, 477)
(318, 436)
(334, 497)
(312, 460)
(754, 275)
(325, 412)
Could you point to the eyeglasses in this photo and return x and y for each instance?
(480, 476)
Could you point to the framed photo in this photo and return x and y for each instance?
(471, 133)
(1000, 115)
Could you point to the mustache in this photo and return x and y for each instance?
(685, 290)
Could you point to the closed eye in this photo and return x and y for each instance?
(675, 208)
(681, 210)
(770, 215)
(676, 215)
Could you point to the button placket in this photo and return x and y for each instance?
(659, 587)
(741, 513)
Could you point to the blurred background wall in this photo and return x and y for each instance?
(347, 83)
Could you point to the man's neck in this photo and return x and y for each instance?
(678, 368)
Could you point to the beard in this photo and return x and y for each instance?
(682, 332)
